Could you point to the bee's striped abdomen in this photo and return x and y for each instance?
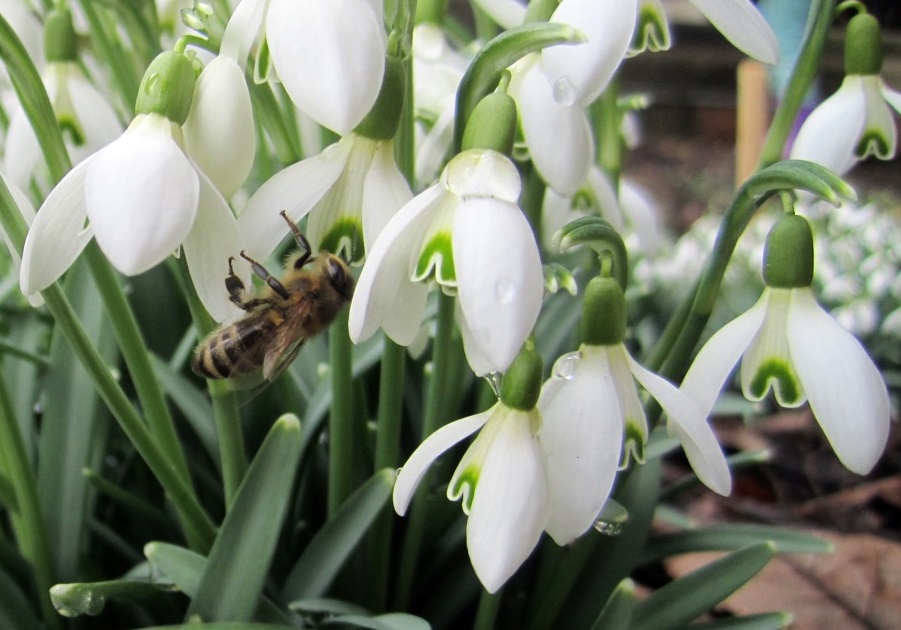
(232, 350)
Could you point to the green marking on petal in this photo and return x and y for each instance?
(465, 487)
(71, 130)
(651, 31)
(873, 142)
(436, 260)
(345, 239)
(633, 444)
(778, 372)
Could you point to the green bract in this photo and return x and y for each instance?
(167, 87)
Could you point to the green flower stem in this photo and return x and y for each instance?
(802, 77)
(342, 431)
(607, 120)
(137, 359)
(28, 519)
(232, 453)
(435, 416)
(430, 11)
(125, 77)
(269, 116)
(486, 614)
(387, 455)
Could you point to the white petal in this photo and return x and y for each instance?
(213, 239)
(483, 173)
(500, 282)
(608, 204)
(633, 416)
(384, 295)
(507, 13)
(508, 510)
(579, 73)
(880, 137)
(22, 153)
(558, 136)
(95, 114)
(242, 30)
(385, 191)
(432, 447)
(581, 436)
(830, 134)
(222, 101)
(141, 196)
(295, 189)
(742, 24)
(845, 389)
(718, 357)
(690, 424)
(330, 56)
(57, 235)
(891, 96)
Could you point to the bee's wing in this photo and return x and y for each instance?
(281, 355)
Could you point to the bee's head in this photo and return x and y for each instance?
(340, 276)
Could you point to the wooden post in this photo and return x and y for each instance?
(752, 117)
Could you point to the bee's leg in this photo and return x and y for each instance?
(234, 285)
(267, 277)
(301, 240)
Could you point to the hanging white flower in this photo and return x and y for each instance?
(142, 198)
(468, 234)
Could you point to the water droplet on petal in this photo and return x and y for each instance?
(494, 381)
(609, 529)
(612, 518)
(397, 472)
(564, 91)
(504, 291)
(566, 366)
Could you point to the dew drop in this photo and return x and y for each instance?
(564, 91)
(612, 519)
(504, 291)
(609, 529)
(494, 381)
(566, 366)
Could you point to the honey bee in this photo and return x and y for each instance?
(280, 317)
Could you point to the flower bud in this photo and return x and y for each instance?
(863, 45)
(382, 120)
(492, 124)
(522, 381)
(167, 88)
(60, 42)
(603, 313)
(788, 253)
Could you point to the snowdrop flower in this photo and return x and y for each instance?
(142, 198)
(330, 56)
(593, 420)
(349, 190)
(787, 342)
(856, 121)
(222, 101)
(85, 115)
(501, 478)
(578, 74)
(468, 234)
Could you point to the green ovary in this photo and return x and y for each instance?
(779, 373)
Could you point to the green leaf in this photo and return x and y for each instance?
(483, 73)
(682, 600)
(225, 625)
(89, 598)
(729, 537)
(331, 546)
(16, 611)
(799, 175)
(617, 612)
(389, 621)
(238, 564)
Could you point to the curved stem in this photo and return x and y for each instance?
(802, 77)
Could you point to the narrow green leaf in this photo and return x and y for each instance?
(238, 564)
(682, 600)
(225, 625)
(483, 73)
(389, 621)
(799, 175)
(331, 546)
(729, 537)
(617, 612)
(89, 598)
(763, 621)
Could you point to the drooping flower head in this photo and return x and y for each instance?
(788, 343)
(594, 422)
(501, 479)
(142, 198)
(468, 234)
(857, 120)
